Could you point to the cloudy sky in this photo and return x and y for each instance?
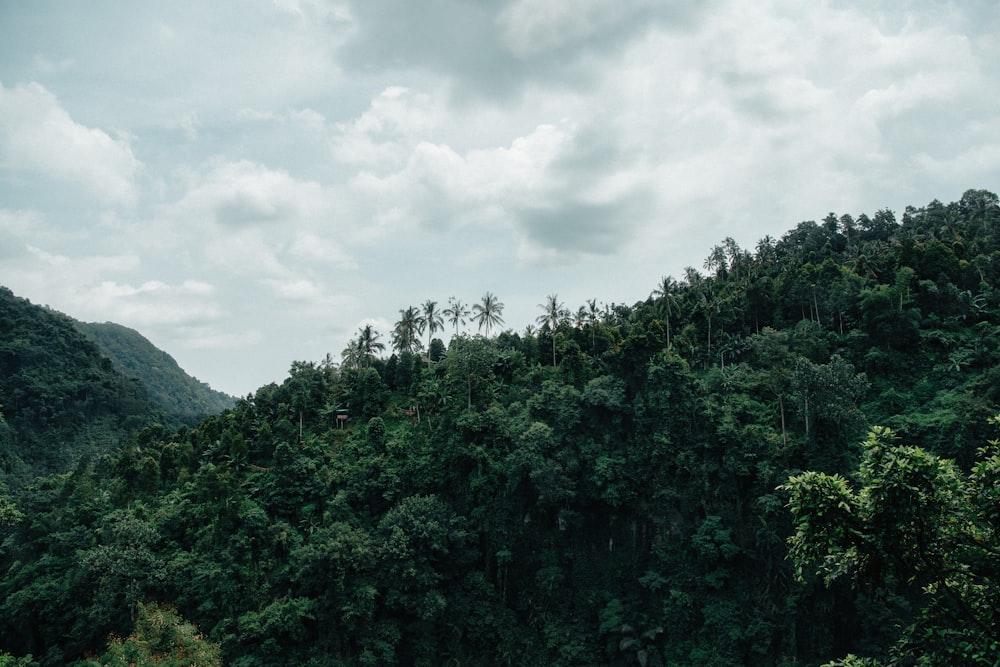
(247, 183)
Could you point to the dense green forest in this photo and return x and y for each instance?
(60, 399)
(174, 391)
(786, 458)
(70, 390)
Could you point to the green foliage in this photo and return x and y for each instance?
(916, 521)
(601, 491)
(61, 399)
(160, 637)
(174, 391)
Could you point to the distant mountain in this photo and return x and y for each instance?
(61, 399)
(173, 390)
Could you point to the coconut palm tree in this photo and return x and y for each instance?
(406, 334)
(667, 291)
(368, 343)
(456, 312)
(702, 291)
(350, 356)
(488, 312)
(433, 320)
(554, 314)
(717, 262)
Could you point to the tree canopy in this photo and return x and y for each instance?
(681, 481)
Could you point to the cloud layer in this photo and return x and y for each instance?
(37, 135)
(248, 184)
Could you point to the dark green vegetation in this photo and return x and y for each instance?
(603, 490)
(60, 399)
(71, 391)
(174, 391)
(917, 528)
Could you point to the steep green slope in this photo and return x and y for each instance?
(62, 400)
(601, 492)
(173, 390)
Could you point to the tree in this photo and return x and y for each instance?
(488, 312)
(915, 528)
(433, 320)
(592, 319)
(468, 367)
(666, 291)
(125, 566)
(351, 356)
(368, 344)
(456, 312)
(703, 291)
(161, 637)
(554, 314)
(7, 660)
(405, 335)
(717, 262)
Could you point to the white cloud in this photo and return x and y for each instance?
(151, 304)
(244, 253)
(15, 229)
(438, 181)
(253, 221)
(245, 193)
(295, 289)
(216, 337)
(555, 188)
(329, 250)
(37, 134)
(84, 268)
(387, 131)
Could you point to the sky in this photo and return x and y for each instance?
(249, 183)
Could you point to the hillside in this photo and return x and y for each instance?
(61, 400)
(619, 488)
(173, 390)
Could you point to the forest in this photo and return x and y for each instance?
(788, 456)
(169, 387)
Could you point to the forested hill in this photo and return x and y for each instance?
(172, 389)
(617, 486)
(60, 399)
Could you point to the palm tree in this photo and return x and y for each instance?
(767, 255)
(701, 289)
(456, 312)
(666, 290)
(554, 313)
(406, 334)
(368, 343)
(433, 321)
(717, 262)
(488, 312)
(592, 317)
(350, 356)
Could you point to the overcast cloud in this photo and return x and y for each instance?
(247, 183)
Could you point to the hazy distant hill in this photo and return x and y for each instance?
(61, 399)
(172, 389)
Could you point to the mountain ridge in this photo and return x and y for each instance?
(171, 387)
